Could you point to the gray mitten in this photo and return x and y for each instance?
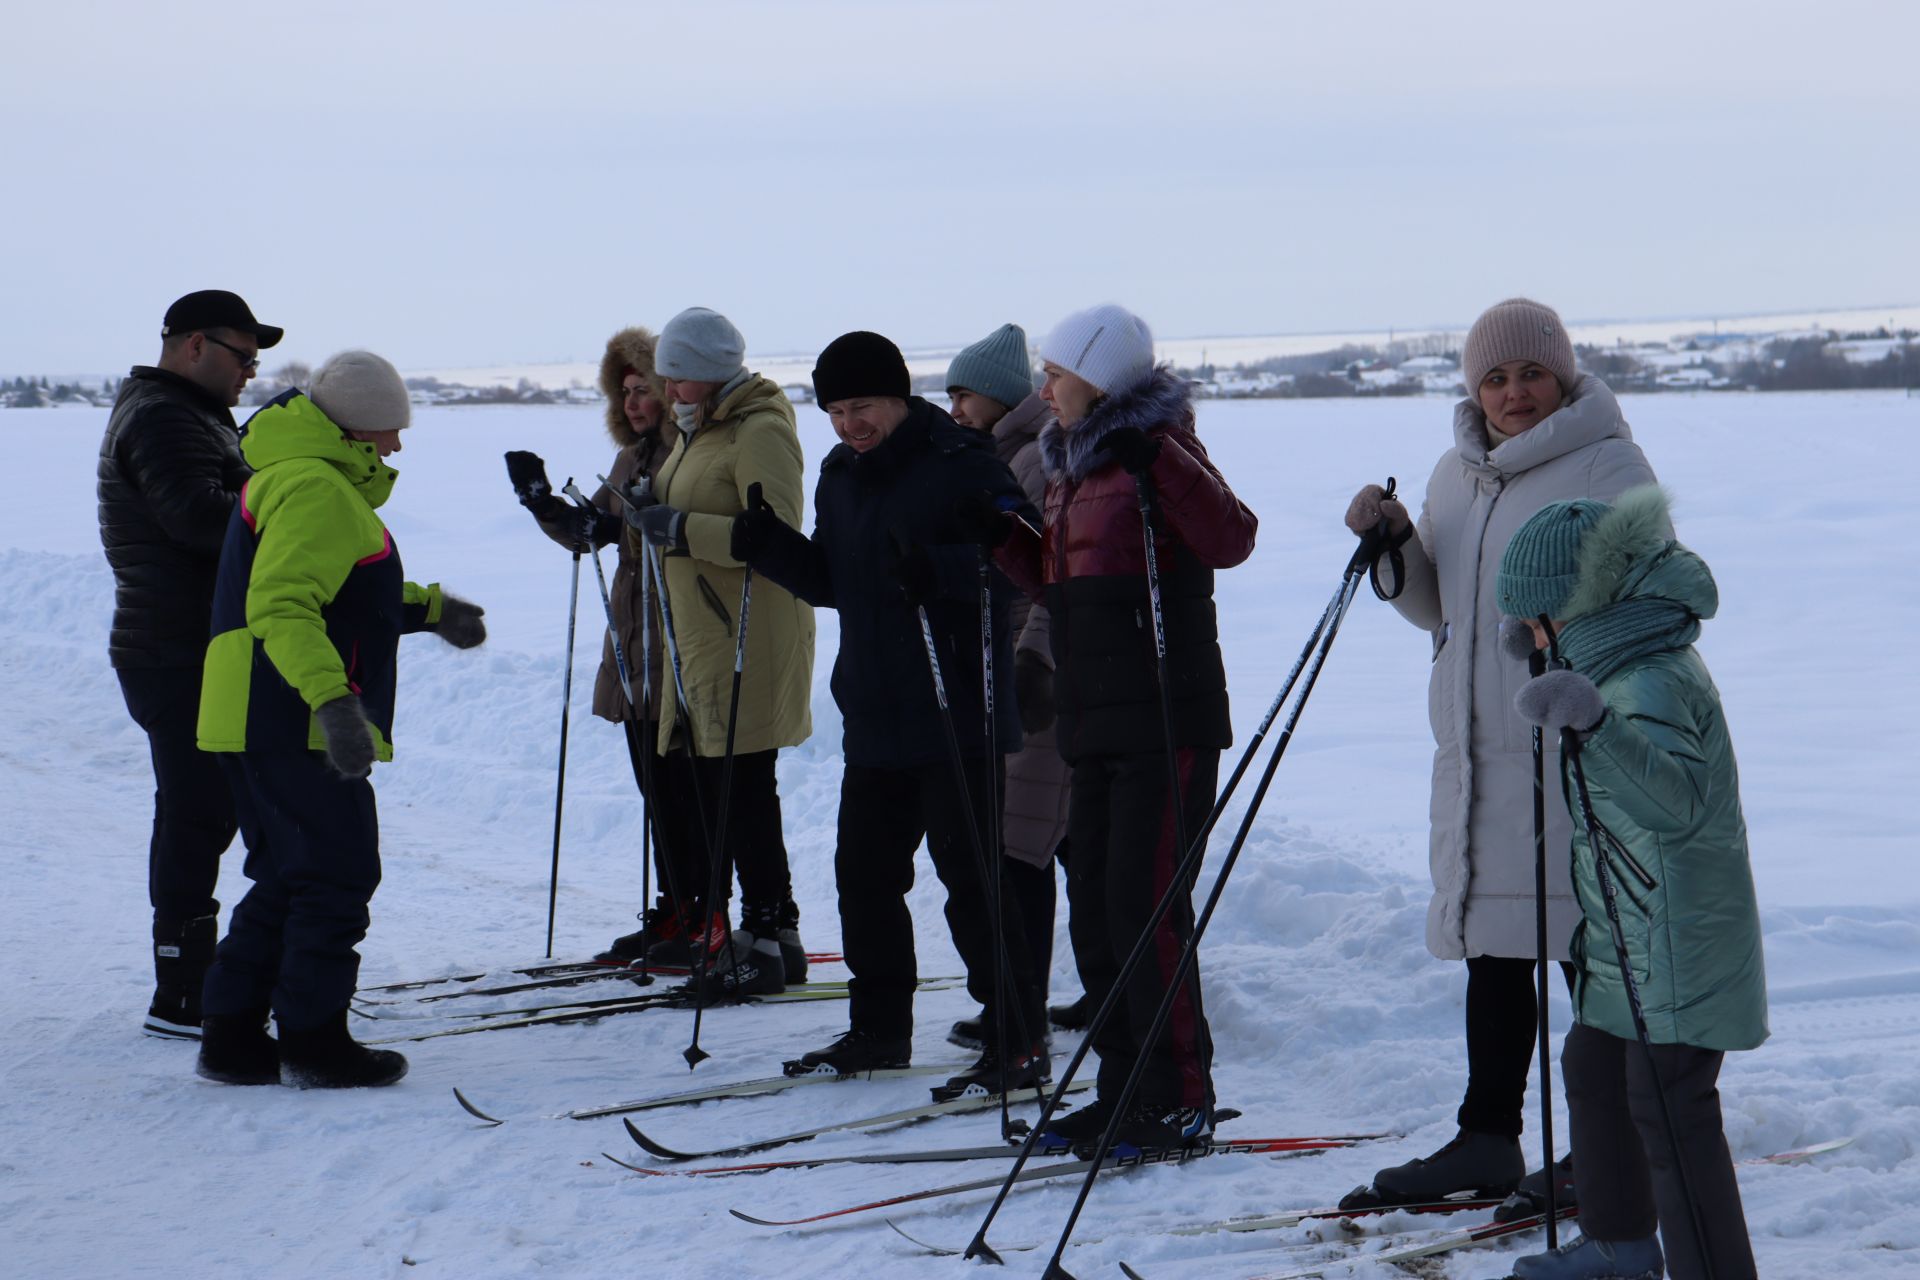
(1561, 700)
(460, 624)
(1369, 505)
(1516, 639)
(343, 723)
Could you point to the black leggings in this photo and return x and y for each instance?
(1503, 1024)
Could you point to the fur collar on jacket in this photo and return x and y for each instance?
(1164, 398)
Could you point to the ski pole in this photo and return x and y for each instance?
(1183, 874)
(560, 776)
(999, 959)
(693, 1053)
(640, 744)
(1600, 841)
(1537, 665)
(1190, 948)
(996, 907)
(1143, 490)
(683, 721)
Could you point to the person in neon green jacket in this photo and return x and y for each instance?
(297, 702)
(1621, 603)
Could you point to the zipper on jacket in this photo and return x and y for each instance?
(712, 598)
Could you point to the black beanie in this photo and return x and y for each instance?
(860, 364)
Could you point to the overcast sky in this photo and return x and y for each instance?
(477, 183)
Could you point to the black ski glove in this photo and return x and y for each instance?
(914, 570)
(528, 475)
(460, 624)
(755, 528)
(1132, 448)
(1033, 691)
(982, 520)
(349, 735)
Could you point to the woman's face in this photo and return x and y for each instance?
(689, 391)
(1517, 395)
(1071, 395)
(642, 407)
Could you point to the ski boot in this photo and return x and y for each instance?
(854, 1052)
(327, 1057)
(1029, 1070)
(1530, 1197)
(657, 925)
(1483, 1165)
(675, 950)
(970, 1033)
(1071, 1017)
(792, 953)
(1149, 1127)
(1069, 1129)
(1590, 1259)
(747, 966)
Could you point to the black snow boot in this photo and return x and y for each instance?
(853, 1053)
(1476, 1164)
(1071, 1017)
(1530, 1197)
(182, 954)
(657, 924)
(236, 1049)
(1027, 1070)
(327, 1057)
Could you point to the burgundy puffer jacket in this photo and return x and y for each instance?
(1090, 569)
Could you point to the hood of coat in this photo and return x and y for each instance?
(292, 426)
(1165, 397)
(628, 349)
(1589, 414)
(1021, 425)
(757, 394)
(1627, 555)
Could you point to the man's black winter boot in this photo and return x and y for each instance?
(1480, 1164)
(1070, 1128)
(1150, 1126)
(326, 1057)
(182, 954)
(1071, 1017)
(657, 924)
(236, 1049)
(1027, 1070)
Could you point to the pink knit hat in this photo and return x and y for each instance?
(1519, 329)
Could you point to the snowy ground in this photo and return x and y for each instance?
(1329, 1015)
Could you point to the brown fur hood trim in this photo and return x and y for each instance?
(627, 349)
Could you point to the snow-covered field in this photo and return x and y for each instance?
(1329, 1015)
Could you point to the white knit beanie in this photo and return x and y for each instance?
(1107, 345)
(359, 391)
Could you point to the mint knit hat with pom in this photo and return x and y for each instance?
(1541, 566)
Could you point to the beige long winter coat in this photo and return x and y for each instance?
(1034, 819)
(1481, 851)
(747, 439)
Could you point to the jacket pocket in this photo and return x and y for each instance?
(713, 600)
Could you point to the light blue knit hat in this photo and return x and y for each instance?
(997, 367)
(700, 345)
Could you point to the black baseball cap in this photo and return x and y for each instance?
(217, 309)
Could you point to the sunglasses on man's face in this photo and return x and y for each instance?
(248, 361)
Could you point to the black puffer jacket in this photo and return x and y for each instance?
(906, 487)
(170, 468)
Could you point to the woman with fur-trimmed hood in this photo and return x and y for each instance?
(1119, 418)
(1625, 602)
(636, 417)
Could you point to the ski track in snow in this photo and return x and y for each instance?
(1328, 1014)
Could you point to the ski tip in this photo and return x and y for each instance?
(930, 1247)
(1130, 1273)
(474, 1111)
(758, 1222)
(651, 1173)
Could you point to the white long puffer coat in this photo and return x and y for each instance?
(1481, 850)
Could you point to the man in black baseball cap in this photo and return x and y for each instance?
(170, 468)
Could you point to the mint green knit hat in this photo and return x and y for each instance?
(997, 367)
(1541, 566)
